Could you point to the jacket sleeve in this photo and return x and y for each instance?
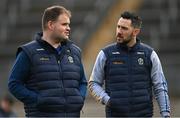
(160, 85)
(18, 74)
(96, 80)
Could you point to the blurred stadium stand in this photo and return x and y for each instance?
(22, 18)
(93, 26)
(161, 22)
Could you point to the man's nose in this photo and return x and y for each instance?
(120, 30)
(68, 28)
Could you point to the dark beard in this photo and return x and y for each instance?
(127, 41)
(60, 39)
(124, 43)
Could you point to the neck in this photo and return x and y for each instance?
(51, 41)
(132, 42)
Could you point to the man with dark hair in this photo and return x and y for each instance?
(48, 75)
(130, 70)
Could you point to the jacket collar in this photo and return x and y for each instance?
(126, 48)
(46, 45)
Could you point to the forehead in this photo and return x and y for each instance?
(63, 18)
(124, 22)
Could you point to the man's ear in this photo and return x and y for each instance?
(136, 31)
(50, 25)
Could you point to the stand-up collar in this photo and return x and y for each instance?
(46, 45)
(126, 48)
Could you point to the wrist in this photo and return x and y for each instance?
(105, 100)
(165, 114)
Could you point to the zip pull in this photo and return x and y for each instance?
(58, 61)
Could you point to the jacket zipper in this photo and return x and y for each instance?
(61, 76)
(129, 79)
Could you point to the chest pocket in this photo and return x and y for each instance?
(140, 63)
(70, 64)
(117, 65)
(140, 59)
(70, 58)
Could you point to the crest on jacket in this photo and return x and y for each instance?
(70, 59)
(140, 61)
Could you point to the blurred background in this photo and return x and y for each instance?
(93, 26)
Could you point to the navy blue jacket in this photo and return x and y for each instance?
(54, 85)
(128, 80)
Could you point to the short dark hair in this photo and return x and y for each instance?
(52, 13)
(135, 19)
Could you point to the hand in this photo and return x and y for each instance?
(166, 117)
(108, 103)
